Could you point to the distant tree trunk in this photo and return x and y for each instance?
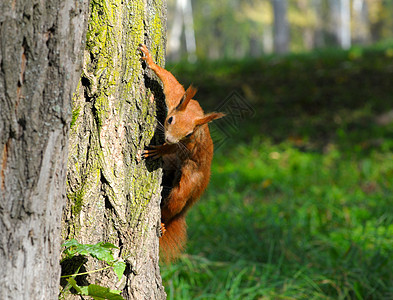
(341, 22)
(361, 22)
(183, 15)
(319, 34)
(40, 59)
(255, 45)
(307, 31)
(174, 43)
(345, 23)
(281, 26)
(112, 195)
(267, 39)
(334, 27)
(189, 31)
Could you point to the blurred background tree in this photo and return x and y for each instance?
(238, 28)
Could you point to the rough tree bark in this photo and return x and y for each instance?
(40, 60)
(112, 195)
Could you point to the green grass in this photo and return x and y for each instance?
(300, 200)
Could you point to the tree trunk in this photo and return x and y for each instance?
(281, 26)
(361, 22)
(174, 43)
(345, 23)
(308, 31)
(341, 22)
(319, 34)
(189, 31)
(112, 195)
(183, 15)
(40, 59)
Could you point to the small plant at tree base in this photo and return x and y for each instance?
(101, 251)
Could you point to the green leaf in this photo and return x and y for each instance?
(101, 251)
(99, 292)
(96, 291)
(97, 251)
(84, 290)
(73, 283)
(109, 245)
(70, 243)
(119, 267)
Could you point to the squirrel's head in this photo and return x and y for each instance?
(186, 118)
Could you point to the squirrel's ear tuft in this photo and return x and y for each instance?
(191, 91)
(209, 117)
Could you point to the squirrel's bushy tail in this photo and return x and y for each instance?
(173, 240)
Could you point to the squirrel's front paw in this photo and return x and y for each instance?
(152, 152)
(145, 51)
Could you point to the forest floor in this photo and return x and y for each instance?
(300, 200)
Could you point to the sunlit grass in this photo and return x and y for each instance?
(280, 223)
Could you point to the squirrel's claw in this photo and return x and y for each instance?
(143, 48)
(145, 51)
(162, 229)
(152, 151)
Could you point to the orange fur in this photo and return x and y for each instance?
(187, 154)
(173, 241)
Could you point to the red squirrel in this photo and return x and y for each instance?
(187, 155)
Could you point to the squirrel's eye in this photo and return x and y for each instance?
(189, 135)
(170, 120)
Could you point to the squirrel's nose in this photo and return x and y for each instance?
(170, 140)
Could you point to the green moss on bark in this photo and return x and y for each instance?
(111, 195)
